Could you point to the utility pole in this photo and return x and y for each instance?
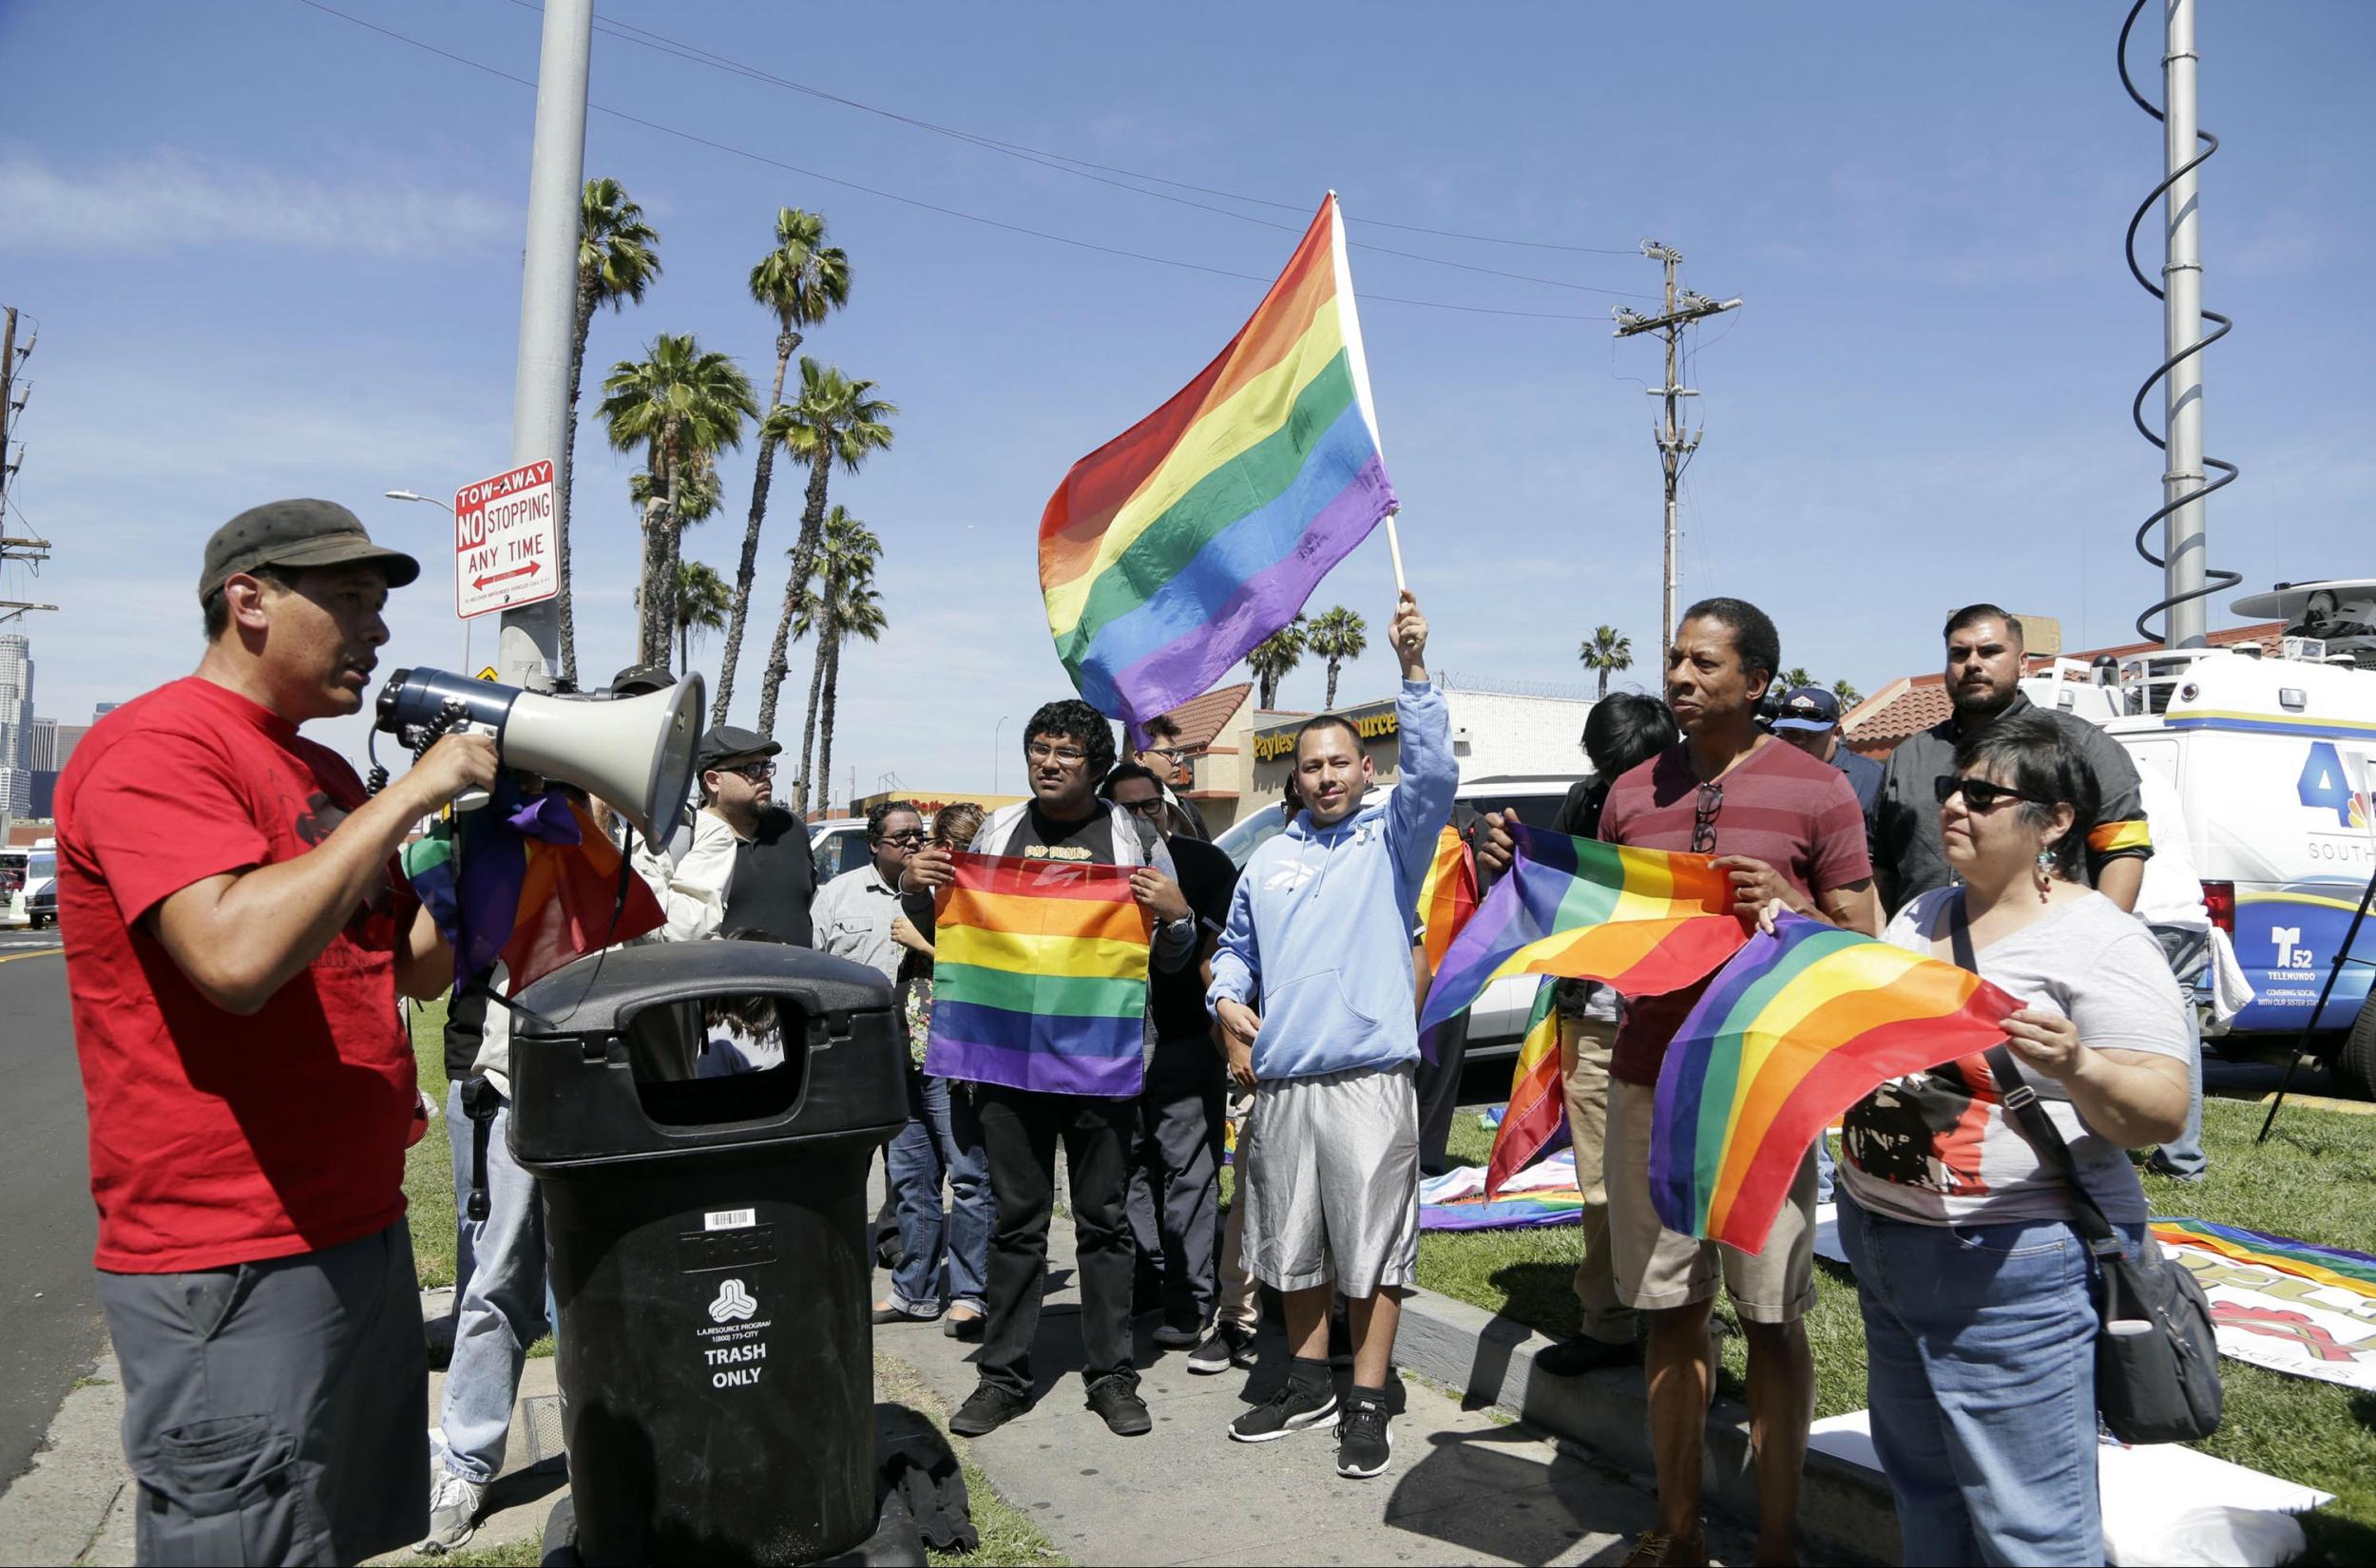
(528, 647)
(1675, 447)
(14, 547)
(2182, 552)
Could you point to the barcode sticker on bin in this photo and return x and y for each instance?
(730, 1219)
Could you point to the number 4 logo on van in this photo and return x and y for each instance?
(2326, 787)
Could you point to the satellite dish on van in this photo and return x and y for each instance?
(2311, 605)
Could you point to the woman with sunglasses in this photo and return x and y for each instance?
(1977, 1293)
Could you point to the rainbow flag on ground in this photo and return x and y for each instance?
(1537, 1117)
(1170, 551)
(1796, 1028)
(2344, 1270)
(533, 882)
(1645, 921)
(1040, 980)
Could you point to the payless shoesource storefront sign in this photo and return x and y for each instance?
(1373, 722)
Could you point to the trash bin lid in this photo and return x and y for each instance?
(593, 994)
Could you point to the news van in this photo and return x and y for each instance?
(28, 885)
(2273, 757)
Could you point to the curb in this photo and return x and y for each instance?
(1846, 1510)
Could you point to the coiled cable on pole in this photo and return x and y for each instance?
(2214, 579)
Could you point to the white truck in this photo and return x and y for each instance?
(2274, 761)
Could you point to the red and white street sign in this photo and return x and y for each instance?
(503, 541)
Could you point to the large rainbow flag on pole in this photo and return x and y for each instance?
(1170, 551)
(1040, 978)
(1796, 1028)
(1645, 921)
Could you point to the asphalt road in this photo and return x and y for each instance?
(50, 1329)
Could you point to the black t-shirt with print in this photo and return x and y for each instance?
(1089, 842)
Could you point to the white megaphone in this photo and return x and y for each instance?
(634, 752)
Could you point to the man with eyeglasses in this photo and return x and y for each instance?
(1785, 827)
(1984, 674)
(1175, 1159)
(1068, 749)
(853, 912)
(748, 866)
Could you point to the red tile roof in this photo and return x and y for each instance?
(1202, 720)
(1912, 704)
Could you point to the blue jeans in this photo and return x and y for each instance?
(944, 1258)
(1981, 1370)
(501, 1307)
(1825, 1170)
(2190, 956)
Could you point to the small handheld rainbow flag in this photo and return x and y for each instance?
(1448, 896)
(533, 882)
(1796, 1028)
(1645, 921)
(1170, 551)
(1538, 1110)
(1040, 981)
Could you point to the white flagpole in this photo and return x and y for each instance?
(1394, 548)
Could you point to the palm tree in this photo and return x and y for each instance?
(1274, 656)
(834, 420)
(1848, 695)
(1793, 679)
(1608, 651)
(679, 403)
(1336, 635)
(840, 599)
(701, 600)
(801, 280)
(617, 258)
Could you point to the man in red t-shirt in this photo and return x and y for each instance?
(237, 932)
(1789, 829)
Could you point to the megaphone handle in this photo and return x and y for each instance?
(470, 799)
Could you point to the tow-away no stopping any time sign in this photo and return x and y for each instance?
(503, 541)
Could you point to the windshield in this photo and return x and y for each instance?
(40, 865)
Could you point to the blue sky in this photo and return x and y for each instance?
(273, 252)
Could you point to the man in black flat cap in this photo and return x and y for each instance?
(748, 866)
(237, 933)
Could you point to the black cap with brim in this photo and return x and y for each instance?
(295, 535)
(729, 741)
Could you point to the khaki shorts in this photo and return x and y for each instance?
(1658, 1269)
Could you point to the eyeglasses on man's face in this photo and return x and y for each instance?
(912, 836)
(1068, 757)
(755, 772)
(1151, 807)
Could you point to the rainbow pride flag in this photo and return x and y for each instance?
(1448, 896)
(2344, 1270)
(1040, 978)
(1170, 551)
(533, 882)
(1645, 921)
(1796, 1028)
(1537, 1116)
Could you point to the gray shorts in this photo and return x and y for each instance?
(276, 1413)
(1329, 1174)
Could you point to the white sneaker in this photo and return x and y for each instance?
(453, 1507)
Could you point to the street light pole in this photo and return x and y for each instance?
(529, 649)
(447, 507)
(995, 731)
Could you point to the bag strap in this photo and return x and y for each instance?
(2029, 1118)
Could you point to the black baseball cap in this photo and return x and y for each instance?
(728, 741)
(640, 680)
(1807, 708)
(297, 534)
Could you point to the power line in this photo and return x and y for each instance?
(918, 201)
(1067, 162)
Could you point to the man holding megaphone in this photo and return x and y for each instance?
(237, 933)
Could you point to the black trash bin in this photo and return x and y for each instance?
(707, 1242)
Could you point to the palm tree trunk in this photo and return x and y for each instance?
(684, 645)
(812, 515)
(1270, 690)
(652, 622)
(828, 633)
(825, 735)
(772, 680)
(786, 342)
(803, 561)
(586, 296)
(1604, 683)
(675, 541)
(1330, 701)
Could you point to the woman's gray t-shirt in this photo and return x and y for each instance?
(1935, 1147)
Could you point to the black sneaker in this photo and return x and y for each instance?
(1365, 1438)
(987, 1409)
(1115, 1397)
(1292, 1409)
(1226, 1347)
(1575, 1357)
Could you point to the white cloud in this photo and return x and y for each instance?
(170, 199)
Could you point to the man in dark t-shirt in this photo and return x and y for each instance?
(1175, 1167)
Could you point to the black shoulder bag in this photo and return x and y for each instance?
(2156, 1360)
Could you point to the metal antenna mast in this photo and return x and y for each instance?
(1675, 447)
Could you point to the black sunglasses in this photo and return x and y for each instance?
(1152, 806)
(1704, 818)
(1979, 793)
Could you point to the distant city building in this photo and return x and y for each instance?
(69, 735)
(16, 724)
(41, 752)
(45, 794)
(101, 709)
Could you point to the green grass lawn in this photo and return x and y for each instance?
(2315, 1180)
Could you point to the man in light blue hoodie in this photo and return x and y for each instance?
(1313, 987)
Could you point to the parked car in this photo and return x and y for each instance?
(1497, 1020)
(839, 845)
